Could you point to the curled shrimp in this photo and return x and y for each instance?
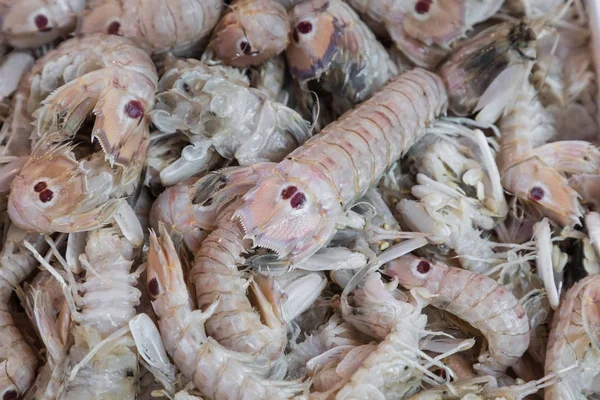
(233, 322)
(159, 26)
(250, 33)
(214, 370)
(183, 212)
(477, 299)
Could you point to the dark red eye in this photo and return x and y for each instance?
(298, 200)
(39, 186)
(423, 267)
(153, 287)
(10, 395)
(288, 192)
(46, 195)
(245, 47)
(304, 27)
(41, 22)
(113, 28)
(423, 6)
(134, 109)
(537, 193)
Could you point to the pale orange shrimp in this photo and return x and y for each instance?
(534, 173)
(478, 300)
(251, 32)
(159, 26)
(233, 322)
(331, 45)
(574, 340)
(32, 23)
(215, 371)
(422, 29)
(61, 192)
(182, 211)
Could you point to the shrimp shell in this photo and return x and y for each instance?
(251, 32)
(573, 340)
(477, 299)
(32, 23)
(331, 44)
(19, 362)
(214, 370)
(233, 323)
(158, 26)
(294, 209)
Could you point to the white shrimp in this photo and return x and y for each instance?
(222, 115)
(214, 370)
(475, 298)
(18, 366)
(107, 304)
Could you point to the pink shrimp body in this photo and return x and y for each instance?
(475, 298)
(570, 341)
(32, 23)
(250, 33)
(158, 26)
(331, 44)
(234, 323)
(216, 372)
(184, 217)
(294, 209)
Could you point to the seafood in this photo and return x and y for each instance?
(424, 30)
(330, 44)
(59, 191)
(533, 172)
(251, 32)
(482, 60)
(180, 27)
(32, 23)
(296, 205)
(222, 116)
(269, 77)
(19, 363)
(214, 370)
(182, 211)
(107, 304)
(50, 313)
(574, 340)
(233, 322)
(392, 370)
(478, 300)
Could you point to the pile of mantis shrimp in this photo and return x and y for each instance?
(314, 199)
